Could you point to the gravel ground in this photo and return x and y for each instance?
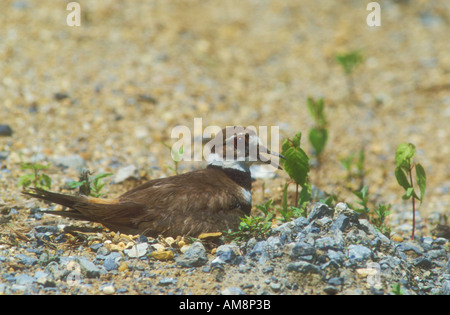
(106, 95)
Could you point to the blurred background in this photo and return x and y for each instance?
(106, 94)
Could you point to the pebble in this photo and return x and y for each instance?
(303, 267)
(358, 252)
(320, 210)
(138, 250)
(109, 289)
(73, 161)
(194, 256)
(162, 255)
(232, 291)
(5, 130)
(126, 173)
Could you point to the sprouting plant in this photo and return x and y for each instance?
(363, 197)
(90, 187)
(348, 62)
(355, 167)
(382, 211)
(289, 212)
(318, 135)
(376, 216)
(404, 174)
(397, 289)
(253, 226)
(176, 157)
(296, 166)
(35, 177)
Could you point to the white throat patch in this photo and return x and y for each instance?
(215, 159)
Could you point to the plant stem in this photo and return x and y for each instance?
(296, 195)
(413, 204)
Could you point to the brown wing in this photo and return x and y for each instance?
(174, 206)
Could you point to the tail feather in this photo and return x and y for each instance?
(112, 213)
(61, 199)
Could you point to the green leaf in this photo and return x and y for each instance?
(296, 140)
(47, 181)
(296, 165)
(318, 138)
(421, 180)
(76, 184)
(401, 178)
(26, 180)
(408, 194)
(404, 155)
(305, 196)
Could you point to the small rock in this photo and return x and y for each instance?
(342, 223)
(88, 268)
(331, 290)
(319, 211)
(26, 260)
(232, 291)
(303, 267)
(112, 261)
(125, 173)
(423, 263)
(276, 287)
(301, 249)
(167, 281)
(24, 279)
(359, 252)
(194, 256)
(162, 255)
(74, 161)
(109, 289)
(229, 254)
(138, 250)
(5, 131)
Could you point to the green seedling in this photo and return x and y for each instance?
(397, 289)
(289, 212)
(318, 135)
(355, 167)
(90, 187)
(296, 166)
(404, 174)
(35, 177)
(379, 221)
(177, 155)
(363, 201)
(348, 62)
(252, 226)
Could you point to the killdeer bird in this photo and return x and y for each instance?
(207, 200)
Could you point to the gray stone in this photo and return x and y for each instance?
(301, 249)
(5, 131)
(138, 250)
(125, 173)
(303, 267)
(232, 291)
(319, 211)
(88, 268)
(74, 161)
(195, 256)
(342, 223)
(423, 263)
(24, 279)
(26, 260)
(112, 261)
(359, 252)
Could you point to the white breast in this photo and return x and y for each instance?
(247, 195)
